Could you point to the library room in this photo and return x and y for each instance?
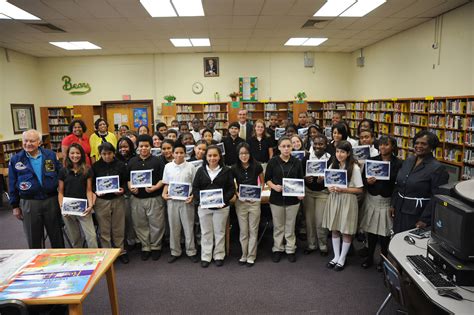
(279, 154)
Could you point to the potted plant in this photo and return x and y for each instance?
(234, 96)
(300, 96)
(169, 98)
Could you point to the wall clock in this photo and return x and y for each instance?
(197, 87)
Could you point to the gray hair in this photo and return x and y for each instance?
(34, 132)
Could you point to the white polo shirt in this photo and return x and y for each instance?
(182, 173)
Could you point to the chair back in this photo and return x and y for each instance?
(393, 280)
(13, 307)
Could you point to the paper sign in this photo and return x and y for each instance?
(117, 118)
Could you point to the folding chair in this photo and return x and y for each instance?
(393, 282)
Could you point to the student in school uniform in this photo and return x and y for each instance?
(247, 171)
(377, 222)
(180, 212)
(261, 146)
(172, 134)
(75, 181)
(313, 131)
(316, 196)
(196, 124)
(284, 209)
(230, 144)
(199, 151)
(339, 133)
(207, 135)
(110, 207)
(351, 140)
(340, 215)
(367, 137)
(148, 210)
(213, 175)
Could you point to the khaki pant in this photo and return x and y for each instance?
(130, 235)
(314, 205)
(181, 214)
(248, 215)
(213, 225)
(284, 219)
(110, 215)
(148, 215)
(74, 224)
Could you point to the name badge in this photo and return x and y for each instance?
(49, 166)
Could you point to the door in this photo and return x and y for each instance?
(130, 113)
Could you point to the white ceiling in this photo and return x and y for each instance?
(124, 26)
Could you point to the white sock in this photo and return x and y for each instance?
(345, 249)
(336, 247)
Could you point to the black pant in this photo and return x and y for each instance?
(372, 242)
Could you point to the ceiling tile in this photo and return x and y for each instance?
(417, 8)
(99, 8)
(306, 7)
(248, 7)
(218, 7)
(38, 9)
(130, 9)
(363, 24)
(68, 8)
(440, 9)
(277, 7)
(244, 22)
(219, 21)
(268, 22)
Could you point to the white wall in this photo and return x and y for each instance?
(405, 65)
(19, 84)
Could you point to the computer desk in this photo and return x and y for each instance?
(74, 302)
(399, 249)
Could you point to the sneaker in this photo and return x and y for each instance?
(291, 258)
(204, 264)
(276, 256)
(124, 259)
(172, 259)
(155, 254)
(145, 255)
(219, 262)
(194, 258)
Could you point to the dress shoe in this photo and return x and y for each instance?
(155, 254)
(323, 253)
(250, 264)
(145, 255)
(331, 264)
(338, 267)
(194, 258)
(241, 263)
(172, 259)
(276, 256)
(204, 264)
(367, 263)
(308, 251)
(124, 259)
(219, 262)
(291, 258)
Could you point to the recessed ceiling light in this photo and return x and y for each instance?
(81, 45)
(334, 7)
(181, 42)
(167, 8)
(314, 41)
(296, 41)
(14, 12)
(200, 42)
(362, 7)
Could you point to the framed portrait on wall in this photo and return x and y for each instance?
(23, 117)
(211, 66)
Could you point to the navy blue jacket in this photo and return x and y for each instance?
(23, 181)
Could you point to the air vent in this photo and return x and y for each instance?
(315, 23)
(46, 27)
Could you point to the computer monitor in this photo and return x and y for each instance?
(453, 227)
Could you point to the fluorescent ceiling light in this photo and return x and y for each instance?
(167, 8)
(362, 7)
(81, 45)
(15, 12)
(181, 42)
(4, 17)
(314, 41)
(334, 7)
(188, 7)
(200, 42)
(296, 41)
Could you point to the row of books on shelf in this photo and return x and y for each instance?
(470, 107)
(213, 108)
(334, 106)
(468, 172)
(184, 108)
(216, 115)
(469, 138)
(8, 155)
(57, 121)
(453, 137)
(59, 112)
(185, 117)
(57, 138)
(11, 146)
(456, 107)
(59, 128)
(406, 131)
(221, 125)
(469, 156)
(249, 107)
(272, 106)
(436, 107)
(418, 107)
(55, 146)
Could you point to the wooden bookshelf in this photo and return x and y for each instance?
(284, 110)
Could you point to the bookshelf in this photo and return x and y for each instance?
(284, 110)
(9, 148)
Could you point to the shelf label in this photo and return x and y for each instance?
(263, 101)
(235, 104)
(429, 98)
(77, 115)
(203, 103)
(365, 101)
(69, 107)
(394, 99)
(323, 101)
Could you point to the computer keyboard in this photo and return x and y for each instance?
(430, 271)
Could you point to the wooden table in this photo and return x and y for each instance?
(74, 302)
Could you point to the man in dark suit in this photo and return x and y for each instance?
(211, 68)
(246, 127)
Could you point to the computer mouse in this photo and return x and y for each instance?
(410, 240)
(450, 293)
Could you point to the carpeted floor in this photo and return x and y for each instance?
(306, 286)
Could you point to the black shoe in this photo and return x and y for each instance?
(241, 263)
(124, 259)
(323, 253)
(249, 264)
(194, 258)
(367, 263)
(219, 262)
(155, 254)
(145, 255)
(276, 256)
(308, 251)
(172, 259)
(331, 264)
(338, 267)
(291, 258)
(204, 264)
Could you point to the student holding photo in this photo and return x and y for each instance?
(180, 212)
(75, 181)
(213, 175)
(340, 215)
(284, 209)
(247, 171)
(260, 143)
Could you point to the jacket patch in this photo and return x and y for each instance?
(20, 166)
(25, 185)
(49, 166)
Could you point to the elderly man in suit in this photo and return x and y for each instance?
(246, 127)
